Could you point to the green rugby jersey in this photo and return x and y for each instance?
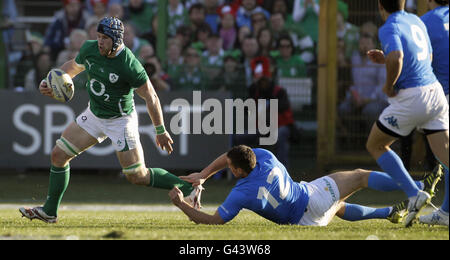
(111, 81)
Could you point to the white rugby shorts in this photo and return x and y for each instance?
(123, 131)
(424, 108)
(323, 202)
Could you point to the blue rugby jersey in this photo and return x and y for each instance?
(268, 191)
(407, 33)
(436, 22)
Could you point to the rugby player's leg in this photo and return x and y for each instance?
(439, 143)
(378, 145)
(355, 212)
(73, 142)
(136, 172)
(349, 182)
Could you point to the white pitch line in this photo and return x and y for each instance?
(103, 207)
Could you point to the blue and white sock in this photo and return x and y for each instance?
(381, 181)
(391, 163)
(354, 212)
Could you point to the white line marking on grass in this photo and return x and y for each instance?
(105, 207)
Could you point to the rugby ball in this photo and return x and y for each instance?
(61, 84)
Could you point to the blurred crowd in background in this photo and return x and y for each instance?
(246, 47)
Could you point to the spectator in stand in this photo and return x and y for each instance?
(197, 14)
(278, 25)
(91, 28)
(201, 37)
(132, 41)
(34, 47)
(264, 87)
(243, 32)
(303, 43)
(8, 17)
(76, 40)
(365, 96)
(232, 77)
(348, 34)
(244, 13)
(90, 7)
(157, 76)
(288, 63)
(183, 35)
(140, 14)
(266, 43)
(212, 17)
(115, 9)
(99, 8)
(250, 50)
(306, 15)
(228, 31)
(64, 21)
(146, 52)
(212, 60)
(177, 16)
(189, 76)
(189, 3)
(153, 33)
(35, 42)
(282, 7)
(174, 57)
(259, 21)
(42, 65)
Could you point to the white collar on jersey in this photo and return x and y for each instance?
(119, 50)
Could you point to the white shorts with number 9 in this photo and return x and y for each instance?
(421, 107)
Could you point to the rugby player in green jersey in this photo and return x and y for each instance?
(114, 74)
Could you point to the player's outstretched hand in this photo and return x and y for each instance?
(195, 178)
(376, 56)
(44, 89)
(176, 195)
(164, 141)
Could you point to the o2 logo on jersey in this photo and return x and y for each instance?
(102, 90)
(420, 40)
(283, 185)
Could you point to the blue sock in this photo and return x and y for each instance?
(381, 181)
(354, 212)
(444, 206)
(393, 165)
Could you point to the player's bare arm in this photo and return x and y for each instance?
(147, 92)
(70, 67)
(394, 65)
(199, 178)
(195, 215)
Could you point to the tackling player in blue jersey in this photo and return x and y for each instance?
(265, 187)
(436, 21)
(416, 98)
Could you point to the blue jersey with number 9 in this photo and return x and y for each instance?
(268, 191)
(405, 32)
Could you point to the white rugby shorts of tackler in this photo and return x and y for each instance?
(323, 202)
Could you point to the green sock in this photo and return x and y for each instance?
(160, 178)
(59, 180)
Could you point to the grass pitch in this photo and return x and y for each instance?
(90, 225)
(153, 217)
